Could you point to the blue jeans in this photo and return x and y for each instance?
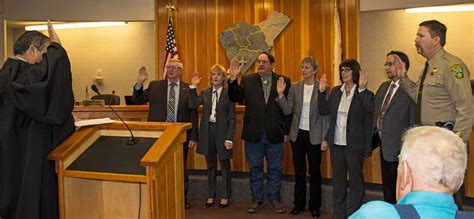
(255, 153)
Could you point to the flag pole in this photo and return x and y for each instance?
(171, 49)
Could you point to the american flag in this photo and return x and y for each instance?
(171, 51)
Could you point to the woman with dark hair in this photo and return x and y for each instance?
(216, 131)
(349, 137)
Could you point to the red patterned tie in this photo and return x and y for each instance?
(384, 107)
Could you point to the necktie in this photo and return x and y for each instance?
(385, 106)
(265, 89)
(418, 100)
(170, 115)
(214, 105)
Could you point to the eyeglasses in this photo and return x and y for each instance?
(262, 62)
(345, 69)
(389, 64)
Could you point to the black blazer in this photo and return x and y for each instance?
(225, 121)
(157, 96)
(359, 119)
(260, 117)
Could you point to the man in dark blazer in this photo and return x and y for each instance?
(395, 112)
(159, 97)
(264, 128)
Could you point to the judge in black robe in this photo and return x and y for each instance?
(36, 102)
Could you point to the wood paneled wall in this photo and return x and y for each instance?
(198, 23)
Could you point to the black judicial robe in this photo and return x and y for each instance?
(36, 102)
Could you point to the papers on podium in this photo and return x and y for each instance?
(88, 122)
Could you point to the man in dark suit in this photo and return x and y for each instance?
(169, 102)
(264, 128)
(394, 113)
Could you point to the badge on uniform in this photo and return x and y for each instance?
(457, 71)
(434, 71)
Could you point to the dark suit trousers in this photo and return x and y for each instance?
(211, 161)
(303, 149)
(185, 161)
(389, 179)
(344, 160)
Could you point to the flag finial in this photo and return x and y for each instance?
(171, 7)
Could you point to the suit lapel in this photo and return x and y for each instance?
(314, 99)
(383, 91)
(394, 97)
(273, 93)
(259, 88)
(299, 91)
(183, 100)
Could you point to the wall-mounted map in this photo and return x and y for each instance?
(244, 42)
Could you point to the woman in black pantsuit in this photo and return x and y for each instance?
(350, 106)
(216, 132)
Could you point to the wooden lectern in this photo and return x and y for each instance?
(106, 187)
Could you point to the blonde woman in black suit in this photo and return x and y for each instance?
(216, 132)
(351, 107)
(307, 130)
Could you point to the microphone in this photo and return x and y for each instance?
(95, 89)
(131, 140)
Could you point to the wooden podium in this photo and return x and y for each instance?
(157, 191)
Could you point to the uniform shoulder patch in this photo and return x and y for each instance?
(457, 71)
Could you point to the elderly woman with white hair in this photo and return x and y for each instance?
(432, 163)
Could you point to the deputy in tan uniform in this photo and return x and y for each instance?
(445, 97)
(443, 91)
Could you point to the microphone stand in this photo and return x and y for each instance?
(131, 140)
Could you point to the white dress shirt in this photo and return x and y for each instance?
(214, 101)
(304, 120)
(341, 118)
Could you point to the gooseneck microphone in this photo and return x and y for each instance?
(131, 140)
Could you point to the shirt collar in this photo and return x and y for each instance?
(397, 83)
(428, 198)
(218, 90)
(343, 88)
(169, 82)
(19, 58)
(438, 54)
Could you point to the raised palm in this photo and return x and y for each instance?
(234, 69)
(322, 83)
(142, 75)
(195, 78)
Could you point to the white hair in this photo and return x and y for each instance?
(436, 156)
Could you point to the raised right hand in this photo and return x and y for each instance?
(142, 75)
(400, 67)
(234, 69)
(52, 33)
(281, 85)
(195, 78)
(322, 83)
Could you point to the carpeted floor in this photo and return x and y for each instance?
(238, 210)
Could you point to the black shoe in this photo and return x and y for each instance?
(295, 211)
(315, 213)
(187, 205)
(224, 205)
(209, 204)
